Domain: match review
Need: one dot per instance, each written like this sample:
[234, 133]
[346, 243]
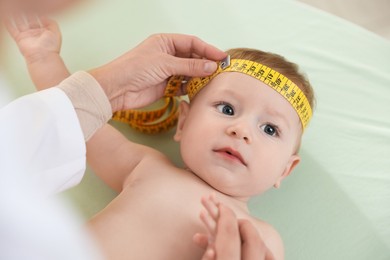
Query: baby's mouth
[231, 154]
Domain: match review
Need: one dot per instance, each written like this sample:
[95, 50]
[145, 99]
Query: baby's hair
[279, 64]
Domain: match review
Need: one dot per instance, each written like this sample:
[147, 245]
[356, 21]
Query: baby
[238, 138]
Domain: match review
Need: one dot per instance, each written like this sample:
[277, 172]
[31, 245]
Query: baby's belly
[153, 218]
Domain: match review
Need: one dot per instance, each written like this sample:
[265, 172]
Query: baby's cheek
[191, 155]
[262, 179]
[187, 157]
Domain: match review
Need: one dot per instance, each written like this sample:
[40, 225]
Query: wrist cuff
[89, 100]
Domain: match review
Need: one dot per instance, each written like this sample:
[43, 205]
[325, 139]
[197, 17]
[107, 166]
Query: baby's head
[240, 135]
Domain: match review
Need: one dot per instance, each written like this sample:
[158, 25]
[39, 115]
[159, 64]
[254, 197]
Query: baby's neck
[239, 202]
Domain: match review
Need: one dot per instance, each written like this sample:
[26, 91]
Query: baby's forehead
[248, 91]
[239, 84]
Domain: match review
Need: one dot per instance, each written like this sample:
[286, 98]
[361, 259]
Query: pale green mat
[336, 204]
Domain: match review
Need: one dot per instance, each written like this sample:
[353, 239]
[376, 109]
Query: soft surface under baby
[238, 138]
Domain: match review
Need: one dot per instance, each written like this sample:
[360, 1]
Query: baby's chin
[227, 186]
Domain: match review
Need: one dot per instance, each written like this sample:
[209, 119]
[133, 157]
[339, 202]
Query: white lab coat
[42, 152]
[40, 134]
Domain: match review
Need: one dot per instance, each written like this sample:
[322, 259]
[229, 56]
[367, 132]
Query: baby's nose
[240, 132]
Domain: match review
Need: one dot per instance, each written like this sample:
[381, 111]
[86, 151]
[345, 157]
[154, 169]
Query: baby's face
[239, 135]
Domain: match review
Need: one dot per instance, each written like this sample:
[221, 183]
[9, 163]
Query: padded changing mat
[336, 205]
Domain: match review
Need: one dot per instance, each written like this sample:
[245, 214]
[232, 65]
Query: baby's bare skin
[238, 137]
[157, 214]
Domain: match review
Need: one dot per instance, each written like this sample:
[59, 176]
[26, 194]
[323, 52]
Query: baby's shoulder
[153, 156]
[151, 160]
[154, 162]
[271, 237]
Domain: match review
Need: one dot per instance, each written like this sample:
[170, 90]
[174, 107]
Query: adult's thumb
[253, 247]
[193, 67]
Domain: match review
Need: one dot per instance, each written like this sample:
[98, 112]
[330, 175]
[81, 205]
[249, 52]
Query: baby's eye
[270, 129]
[226, 109]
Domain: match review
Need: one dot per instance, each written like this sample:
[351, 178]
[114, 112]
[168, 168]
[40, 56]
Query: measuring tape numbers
[165, 118]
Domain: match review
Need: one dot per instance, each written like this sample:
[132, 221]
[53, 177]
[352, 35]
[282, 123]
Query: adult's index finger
[189, 44]
[227, 241]
[253, 246]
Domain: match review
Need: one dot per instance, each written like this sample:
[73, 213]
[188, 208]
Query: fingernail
[210, 67]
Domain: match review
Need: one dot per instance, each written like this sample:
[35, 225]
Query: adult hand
[229, 238]
[139, 77]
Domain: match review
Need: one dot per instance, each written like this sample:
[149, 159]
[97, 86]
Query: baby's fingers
[11, 28]
[20, 22]
[33, 21]
[211, 206]
[209, 222]
[50, 24]
[47, 22]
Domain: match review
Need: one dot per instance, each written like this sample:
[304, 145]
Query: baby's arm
[113, 157]
[109, 153]
[39, 41]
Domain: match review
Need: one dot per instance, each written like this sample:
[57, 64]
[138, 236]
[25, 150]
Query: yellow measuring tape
[153, 121]
[157, 121]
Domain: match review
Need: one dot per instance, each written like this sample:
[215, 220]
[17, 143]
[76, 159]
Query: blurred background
[372, 15]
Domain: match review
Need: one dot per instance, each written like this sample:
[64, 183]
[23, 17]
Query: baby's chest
[165, 209]
[177, 190]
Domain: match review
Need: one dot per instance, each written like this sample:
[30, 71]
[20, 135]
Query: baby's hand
[229, 238]
[37, 38]
[210, 217]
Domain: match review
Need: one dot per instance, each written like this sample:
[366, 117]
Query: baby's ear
[184, 109]
[292, 163]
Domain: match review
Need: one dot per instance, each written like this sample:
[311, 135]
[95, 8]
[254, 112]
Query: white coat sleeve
[41, 138]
